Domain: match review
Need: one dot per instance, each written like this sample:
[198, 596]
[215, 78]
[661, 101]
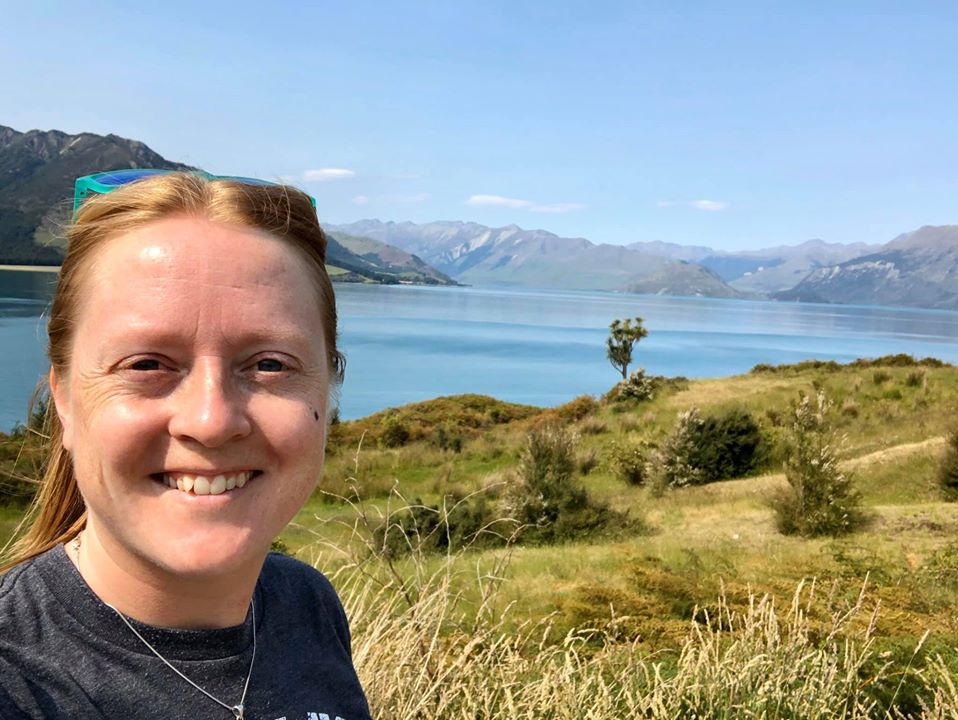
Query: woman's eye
[270, 365]
[145, 365]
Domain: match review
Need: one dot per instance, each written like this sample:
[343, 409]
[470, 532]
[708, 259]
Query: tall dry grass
[432, 641]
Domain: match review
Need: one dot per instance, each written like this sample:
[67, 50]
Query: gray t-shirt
[64, 654]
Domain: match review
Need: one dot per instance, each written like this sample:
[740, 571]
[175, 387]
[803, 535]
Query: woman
[193, 352]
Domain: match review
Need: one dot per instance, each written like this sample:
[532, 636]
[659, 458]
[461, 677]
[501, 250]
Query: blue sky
[735, 125]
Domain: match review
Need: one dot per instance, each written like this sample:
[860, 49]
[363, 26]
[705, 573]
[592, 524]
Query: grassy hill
[695, 605]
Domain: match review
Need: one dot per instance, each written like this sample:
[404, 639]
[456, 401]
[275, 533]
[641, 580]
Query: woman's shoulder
[23, 588]
[303, 591]
[294, 579]
[280, 569]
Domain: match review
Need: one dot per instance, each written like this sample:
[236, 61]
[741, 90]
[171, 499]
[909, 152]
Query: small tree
[623, 335]
[948, 469]
[820, 498]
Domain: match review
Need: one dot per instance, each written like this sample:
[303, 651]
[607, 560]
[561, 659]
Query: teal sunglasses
[103, 182]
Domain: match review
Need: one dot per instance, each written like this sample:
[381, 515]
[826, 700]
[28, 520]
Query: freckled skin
[198, 347]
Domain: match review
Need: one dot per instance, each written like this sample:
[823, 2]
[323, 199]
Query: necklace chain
[237, 709]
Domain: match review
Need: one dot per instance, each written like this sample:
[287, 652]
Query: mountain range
[37, 170]
[917, 269]
[920, 268]
[475, 254]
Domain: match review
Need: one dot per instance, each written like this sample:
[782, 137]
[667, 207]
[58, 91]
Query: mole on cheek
[315, 416]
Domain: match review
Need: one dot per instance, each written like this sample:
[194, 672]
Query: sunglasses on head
[103, 182]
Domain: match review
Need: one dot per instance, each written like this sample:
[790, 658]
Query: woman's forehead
[174, 271]
[187, 245]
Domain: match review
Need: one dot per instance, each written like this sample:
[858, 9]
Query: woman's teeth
[205, 484]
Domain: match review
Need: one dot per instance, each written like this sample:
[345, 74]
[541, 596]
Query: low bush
[915, 378]
[730, 444]
[881, 376]
[700, 449]
[675, 464]
[447, 439]
[455, 524]
[820, 498]
[947, 475]
[587, 462]
[393, 432]
[638, 386]
[628, 462]
[850, 408]
[576, 409]
[547, 501]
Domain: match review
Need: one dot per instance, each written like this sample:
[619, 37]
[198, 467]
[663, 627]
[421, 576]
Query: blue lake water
[541, 347]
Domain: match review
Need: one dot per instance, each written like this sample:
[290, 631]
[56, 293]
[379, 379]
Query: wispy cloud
[518, 204]
[360, 200]
[327, 174]
[498, 201]
[707, 205]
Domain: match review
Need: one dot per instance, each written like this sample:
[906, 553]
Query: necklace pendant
[238, 711]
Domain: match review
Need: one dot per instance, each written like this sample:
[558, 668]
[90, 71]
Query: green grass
[644, 587]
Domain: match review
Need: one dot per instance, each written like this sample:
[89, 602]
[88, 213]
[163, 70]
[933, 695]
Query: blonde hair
[57, 512]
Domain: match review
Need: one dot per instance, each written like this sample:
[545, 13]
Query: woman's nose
[208, 407]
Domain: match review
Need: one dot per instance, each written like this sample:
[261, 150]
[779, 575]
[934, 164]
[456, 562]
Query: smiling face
[198, 360]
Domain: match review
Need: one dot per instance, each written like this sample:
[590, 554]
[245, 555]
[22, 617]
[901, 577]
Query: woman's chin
[210, 557]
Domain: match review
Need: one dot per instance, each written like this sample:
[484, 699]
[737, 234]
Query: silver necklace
[237, 709]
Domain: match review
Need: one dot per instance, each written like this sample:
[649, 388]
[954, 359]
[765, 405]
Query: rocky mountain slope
[474, 253]
[37, 170]
[915, 269]
[367, 259]
[763, 271]
[687, 279]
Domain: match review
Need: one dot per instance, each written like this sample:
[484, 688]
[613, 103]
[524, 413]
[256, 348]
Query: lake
[541, 347]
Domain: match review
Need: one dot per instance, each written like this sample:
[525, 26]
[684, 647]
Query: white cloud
[517, 204]
[707, 205]
[327, 174]
[360, 200]
[498, 201]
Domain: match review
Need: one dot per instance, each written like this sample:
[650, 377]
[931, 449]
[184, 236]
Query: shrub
[639, 386]
[394, 432]
[915, 378]
[820, 498]
[628, 462]
[948, 468]
[881, 376]
[446, 439]
[587, 462]
[576, 409]
[774, 416]
[455, 524]
[701, 450]
[729, 445]
[548, 502]
[850, 408]
[675, 464]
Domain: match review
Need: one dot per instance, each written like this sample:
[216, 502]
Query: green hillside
[700, 569]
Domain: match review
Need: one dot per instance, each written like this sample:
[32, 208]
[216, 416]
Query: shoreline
[31, 268]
